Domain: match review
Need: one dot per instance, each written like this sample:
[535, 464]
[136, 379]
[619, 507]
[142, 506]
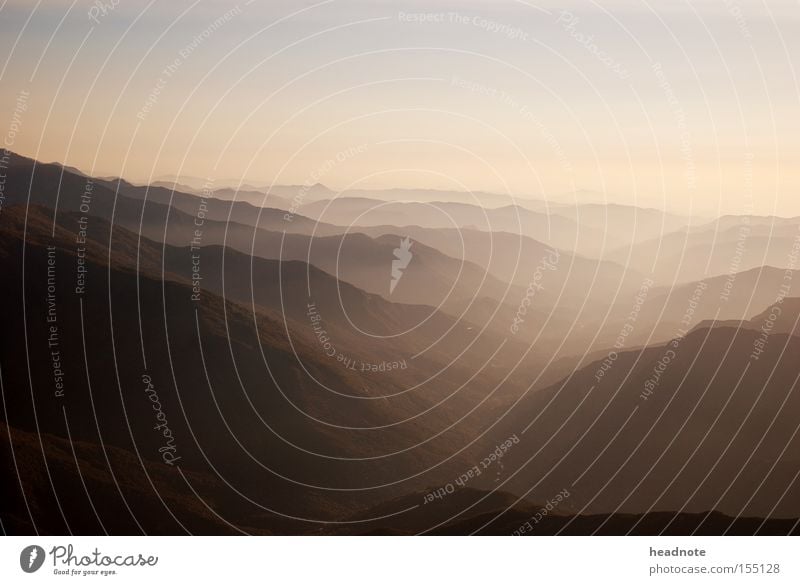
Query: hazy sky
[683, 105]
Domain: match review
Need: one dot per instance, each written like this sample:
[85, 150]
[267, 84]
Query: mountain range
[177, 360]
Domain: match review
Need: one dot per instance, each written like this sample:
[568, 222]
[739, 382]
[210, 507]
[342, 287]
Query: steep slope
[665, 311]
[356, 259]
[140, 208]
[228, 383]
[693, 426]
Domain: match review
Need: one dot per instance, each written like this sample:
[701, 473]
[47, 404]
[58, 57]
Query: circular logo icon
[31, 558]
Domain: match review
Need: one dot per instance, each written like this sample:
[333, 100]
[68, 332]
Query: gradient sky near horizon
[688, 106]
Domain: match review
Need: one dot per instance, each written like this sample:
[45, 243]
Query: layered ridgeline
[275, 404]
[173, 363]
[567, 301]
[270, 399]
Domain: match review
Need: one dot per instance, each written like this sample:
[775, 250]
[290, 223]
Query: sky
[687, 106]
